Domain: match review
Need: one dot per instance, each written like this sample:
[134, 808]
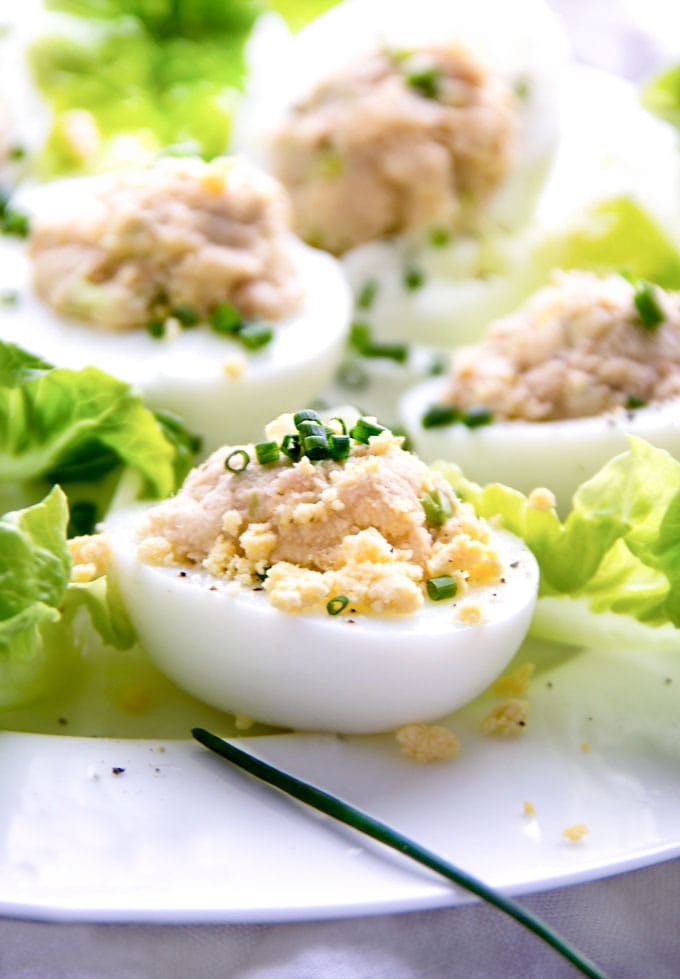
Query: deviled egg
[323, 579]
[184, 279]
[382, 117]
[552, 391]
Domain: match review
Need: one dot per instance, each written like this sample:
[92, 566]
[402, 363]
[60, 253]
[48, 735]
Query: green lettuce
[82, 429]
[615, 235]
[167, 71]
[34, 574]
[612, 567]
[38, 605]
[661, 95]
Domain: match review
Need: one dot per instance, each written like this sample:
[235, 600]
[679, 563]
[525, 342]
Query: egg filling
[176, 239]
[553, 391]
[373, 532]
[397, 140]
[582, 346]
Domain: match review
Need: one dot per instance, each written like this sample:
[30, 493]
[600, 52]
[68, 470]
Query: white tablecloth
[628, 924]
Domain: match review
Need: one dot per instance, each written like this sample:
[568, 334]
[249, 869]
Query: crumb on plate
[425, 743]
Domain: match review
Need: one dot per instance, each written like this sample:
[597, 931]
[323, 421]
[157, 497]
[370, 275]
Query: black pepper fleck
[117, 770]
[182, 574]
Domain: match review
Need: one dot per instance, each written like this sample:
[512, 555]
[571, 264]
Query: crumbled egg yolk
[90, 557]
[315, 510]
[507, 719]
[426, 743]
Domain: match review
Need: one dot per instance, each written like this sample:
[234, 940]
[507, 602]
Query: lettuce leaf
[617, 553]
[615, 235]
[38, 605]
[81, 429]
[661, 95]
[34, 574]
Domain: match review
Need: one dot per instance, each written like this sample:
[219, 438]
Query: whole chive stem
[361, 821]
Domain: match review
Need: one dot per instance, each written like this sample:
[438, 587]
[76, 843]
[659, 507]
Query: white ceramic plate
[180, 836]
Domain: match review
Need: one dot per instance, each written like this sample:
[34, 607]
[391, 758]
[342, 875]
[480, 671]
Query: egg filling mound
[582, 346]
[179, 238]
[554, 390]
[377, 527]
[398, 140]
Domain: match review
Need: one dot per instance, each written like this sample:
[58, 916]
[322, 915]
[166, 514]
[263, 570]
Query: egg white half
[522, 43]
[610, 147]
[557, 454]
[187, 372]
[345, 673]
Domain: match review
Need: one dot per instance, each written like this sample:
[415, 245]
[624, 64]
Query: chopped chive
[351, 375]
[156, 328]
[266, 452]
[339, 446]
[438, 365]
[309, 427]
[359, 336]
[256, 335]
[426, 81]
[633, 402]
[316, 446]
[290, 446]
[476, 417]
[440, 237]
[522, 89]
[437, 507]
[9, 297]
[390, 351]
[360, 340]
[225, 318]
[306, 415]
[364, 429]
[401, 433]
[650, 313]
[413, 279]
[440, 414]
[15, 223]
[185, 315]
[341, 424]
[367, 294]
[237, 461]
[441, 587]
[336, 605]
[376, 830]
[17, 153]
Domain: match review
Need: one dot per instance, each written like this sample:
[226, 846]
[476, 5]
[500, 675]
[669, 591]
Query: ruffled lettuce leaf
[616, 556]
[616, 235]
[38, 605]
[81, 429]
[661, 95]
